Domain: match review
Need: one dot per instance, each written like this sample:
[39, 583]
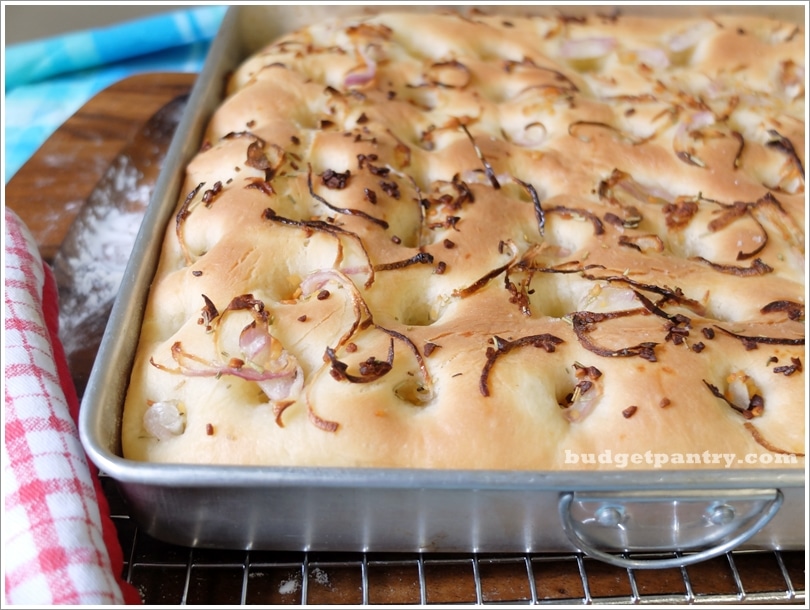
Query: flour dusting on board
[94, 257]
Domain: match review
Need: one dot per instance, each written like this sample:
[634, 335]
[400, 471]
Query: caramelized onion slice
[685, 131]
[584, 322]
[451, 74]
[264, 361]
[752, 342]
[316, 280]
[545, 341]
[487, 167]
[335, 231]
[755, 406]
[760, 439]
[180, 221]
[757, 267]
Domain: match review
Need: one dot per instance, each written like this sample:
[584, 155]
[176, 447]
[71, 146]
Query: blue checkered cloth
[48, 80]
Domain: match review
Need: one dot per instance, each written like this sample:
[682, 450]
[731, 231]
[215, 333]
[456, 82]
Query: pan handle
[611, 515]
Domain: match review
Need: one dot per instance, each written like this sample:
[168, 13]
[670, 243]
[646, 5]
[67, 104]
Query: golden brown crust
[481, 242]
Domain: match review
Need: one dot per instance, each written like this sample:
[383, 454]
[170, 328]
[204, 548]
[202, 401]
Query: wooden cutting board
[49, 190]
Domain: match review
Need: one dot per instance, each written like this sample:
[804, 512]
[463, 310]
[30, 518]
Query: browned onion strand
[180, 220]
[576, 125]
[415, 350]
[741, 256]
[740, 147]
[370, 370]
[208, 314]
[638, 242]
[757, 267]
[584, 322]
[487, 167]
[420, 258]
[755, 407]
[669, 294]
[243, 134]
[362, 313]
[795, 311]
[761, 440]
[752, 342]
[544, 341]
[768, 209]
[677, 319]
[606, 190]
[485, 279]
[539, 214]
[598, 227]
[402, 150]
[733, 212]
[278, 411]
[510, 66]
[437, 70]
[325, 227]
[730, 213]
[324, 424]
[784, 145]
[423, 205]
[690, 158]
[562, 268]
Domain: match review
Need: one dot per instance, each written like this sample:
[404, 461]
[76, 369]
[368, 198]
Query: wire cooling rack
[167, 574]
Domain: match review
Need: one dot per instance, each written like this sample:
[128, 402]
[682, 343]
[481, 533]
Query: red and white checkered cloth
[59, 544]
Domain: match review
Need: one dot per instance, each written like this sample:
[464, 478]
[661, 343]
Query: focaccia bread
[470, 241]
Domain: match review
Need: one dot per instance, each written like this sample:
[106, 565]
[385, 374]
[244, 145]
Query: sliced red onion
[653, 57]
[643, 193]
[680, 141]
[587, 48]
[532, 135]
[367, 74]
[583, 404]
[164, 420]
[793, 79]
[259, 345]
[686, 40]
[318, 279]
[769, 212]
[643, 242]
[607, 298]
[285, 386]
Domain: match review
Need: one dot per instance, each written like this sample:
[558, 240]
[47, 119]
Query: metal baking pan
[689, 515]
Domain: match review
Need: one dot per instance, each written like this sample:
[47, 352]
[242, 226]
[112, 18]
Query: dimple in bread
[479, 242]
